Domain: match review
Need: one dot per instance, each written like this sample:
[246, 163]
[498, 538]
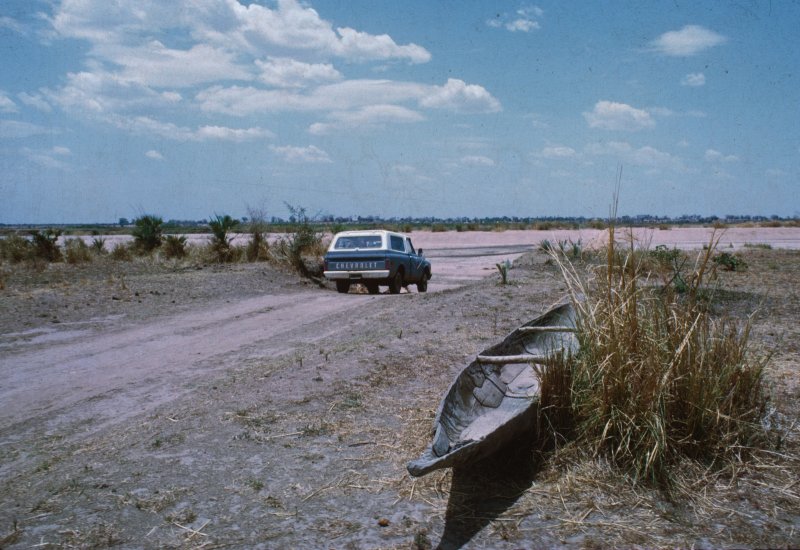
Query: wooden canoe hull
[491, 400]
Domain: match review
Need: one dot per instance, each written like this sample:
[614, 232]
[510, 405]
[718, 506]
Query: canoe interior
[488, 403]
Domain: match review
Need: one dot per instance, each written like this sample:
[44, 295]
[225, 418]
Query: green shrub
[77, 251]
[174, 246]
[45, 245]
[730, 262]
[656, 379]
[147, 233]
[598, 224]
[545, 245]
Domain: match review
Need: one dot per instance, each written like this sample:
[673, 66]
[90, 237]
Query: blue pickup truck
[375, 258]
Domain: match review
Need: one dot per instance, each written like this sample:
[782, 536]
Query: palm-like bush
[147, 233]
[220, 242]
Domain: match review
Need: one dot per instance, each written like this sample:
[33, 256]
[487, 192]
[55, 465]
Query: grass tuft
[77, 251]
[657, 378]
[174, 246]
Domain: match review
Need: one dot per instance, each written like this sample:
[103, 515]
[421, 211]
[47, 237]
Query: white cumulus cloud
[6, 104]
[457, 95]
[610, 115]
[366, 117]
[557, 151]
[15, 129]
[523, 20]
[284, 72]
[693, 79]
[476, 160]
[149, 125]
[646, 156]
[301, 155]
[34, 100]
[690, 40]
[153, 154]
[712, 155]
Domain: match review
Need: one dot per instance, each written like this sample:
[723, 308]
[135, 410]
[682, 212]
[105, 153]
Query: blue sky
[189, 108]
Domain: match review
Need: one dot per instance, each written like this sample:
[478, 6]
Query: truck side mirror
[419, 252]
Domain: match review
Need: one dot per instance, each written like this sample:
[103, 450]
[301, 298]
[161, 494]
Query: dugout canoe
[495, 397]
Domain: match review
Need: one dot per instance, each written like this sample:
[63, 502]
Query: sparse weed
[352, 400]
[764, 246]
[503, 268]
[669, 265]
[98, 245]
[255, 484]
[314, 430]
[545, 246]
[121, 253]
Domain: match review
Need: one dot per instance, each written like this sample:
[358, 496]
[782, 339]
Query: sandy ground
[203, 406]
[685, 238]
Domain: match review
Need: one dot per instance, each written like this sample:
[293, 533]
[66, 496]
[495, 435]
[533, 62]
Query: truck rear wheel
[396, 283]
[422, 285]
[342, 286]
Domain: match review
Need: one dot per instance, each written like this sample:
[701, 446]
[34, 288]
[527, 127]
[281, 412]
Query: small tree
[147, 233]
[304, 240]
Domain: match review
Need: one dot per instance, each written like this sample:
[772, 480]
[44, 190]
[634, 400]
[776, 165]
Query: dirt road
[138, 367]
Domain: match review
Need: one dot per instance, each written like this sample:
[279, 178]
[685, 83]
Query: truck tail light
[326, 265]
[387, 264]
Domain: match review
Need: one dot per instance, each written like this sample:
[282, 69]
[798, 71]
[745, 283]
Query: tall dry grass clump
[257, 249]
[76, 251]
[657, 379]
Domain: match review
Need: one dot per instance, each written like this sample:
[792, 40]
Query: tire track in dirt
[152, 360]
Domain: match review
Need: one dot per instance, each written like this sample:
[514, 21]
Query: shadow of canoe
[480, 492]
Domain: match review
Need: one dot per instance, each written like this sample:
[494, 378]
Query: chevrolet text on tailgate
[375, 258]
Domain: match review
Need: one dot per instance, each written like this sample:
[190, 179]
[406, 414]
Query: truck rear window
[362, 241]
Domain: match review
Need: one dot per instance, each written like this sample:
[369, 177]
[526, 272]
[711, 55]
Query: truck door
[415, 261]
